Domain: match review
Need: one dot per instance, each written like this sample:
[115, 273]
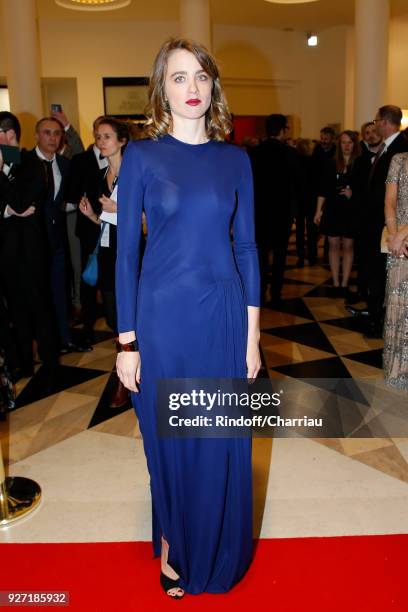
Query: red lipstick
[193, 101]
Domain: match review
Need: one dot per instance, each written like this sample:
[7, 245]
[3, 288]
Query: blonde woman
[194, 312]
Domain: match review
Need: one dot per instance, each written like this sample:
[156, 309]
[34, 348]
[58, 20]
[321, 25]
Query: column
[195, 21]
[349, 80]
[21, 45]
[371, 59]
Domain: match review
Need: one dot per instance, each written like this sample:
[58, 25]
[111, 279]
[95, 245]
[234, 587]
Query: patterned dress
[395, 356]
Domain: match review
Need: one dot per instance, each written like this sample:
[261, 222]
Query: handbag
[384, 241]
[90, 274]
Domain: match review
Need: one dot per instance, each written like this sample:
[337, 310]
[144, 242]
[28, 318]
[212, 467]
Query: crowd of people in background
[58, 207]
[339, 188]
[52, 205]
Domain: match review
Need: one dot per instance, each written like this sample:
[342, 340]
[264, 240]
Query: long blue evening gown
[189, 311]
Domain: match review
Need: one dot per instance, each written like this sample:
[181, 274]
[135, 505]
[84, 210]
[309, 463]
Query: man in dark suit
[86, 178]
[56, 170]
[369, 147]
[274, 169]
[322, 156]
[325, 149]
[24, 270]
[388, 124]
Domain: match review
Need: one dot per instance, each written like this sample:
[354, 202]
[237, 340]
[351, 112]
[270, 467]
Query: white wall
[266, 70]
[315, 76]
[72, 49]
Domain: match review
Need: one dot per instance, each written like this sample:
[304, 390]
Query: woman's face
[107, 141]
[187, 86]
[346, 144]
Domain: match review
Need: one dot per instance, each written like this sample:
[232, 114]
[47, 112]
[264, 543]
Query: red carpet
[351, 574]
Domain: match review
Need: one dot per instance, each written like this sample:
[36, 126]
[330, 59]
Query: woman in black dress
[336, 209]
[111, 139]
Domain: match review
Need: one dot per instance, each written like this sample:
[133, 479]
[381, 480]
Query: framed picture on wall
[125, 97]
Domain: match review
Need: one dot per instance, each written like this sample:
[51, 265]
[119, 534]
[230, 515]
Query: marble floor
[90, 463]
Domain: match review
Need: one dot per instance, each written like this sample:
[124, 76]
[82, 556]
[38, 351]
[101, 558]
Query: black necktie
[101, 156]
[50, 183]
[375, 160]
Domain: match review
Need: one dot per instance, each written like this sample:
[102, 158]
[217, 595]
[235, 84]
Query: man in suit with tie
[56, 170]
[24, 270]
[388, 125]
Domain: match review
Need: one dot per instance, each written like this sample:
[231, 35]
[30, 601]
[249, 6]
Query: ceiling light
[312, 40]
[93, 5]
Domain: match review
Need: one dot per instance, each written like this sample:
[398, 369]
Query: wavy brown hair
[340, 161]
[159, 122]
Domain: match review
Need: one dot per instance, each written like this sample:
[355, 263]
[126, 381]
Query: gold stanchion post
[18, 496]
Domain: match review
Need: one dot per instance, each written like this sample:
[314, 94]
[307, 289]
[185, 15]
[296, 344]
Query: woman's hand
[317, 217]
[395, 244]
[253, 359]
[108, 205]
[86, 208]
[347, 191]
[128, 369]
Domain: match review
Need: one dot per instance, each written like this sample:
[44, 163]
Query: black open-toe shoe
[168, 583]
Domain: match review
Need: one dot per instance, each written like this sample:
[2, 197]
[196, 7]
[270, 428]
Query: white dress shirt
[388, 141]
[6, 170]
[102, 163]
[55, 170]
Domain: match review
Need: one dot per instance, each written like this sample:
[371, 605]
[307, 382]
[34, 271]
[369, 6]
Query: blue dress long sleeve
[188, 308]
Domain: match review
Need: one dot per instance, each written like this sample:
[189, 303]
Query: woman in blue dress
[192, 311]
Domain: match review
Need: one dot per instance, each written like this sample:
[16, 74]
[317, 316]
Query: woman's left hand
[347, 192]
[317, 218]
[395, 244]
[108, 205]
[253, 359]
